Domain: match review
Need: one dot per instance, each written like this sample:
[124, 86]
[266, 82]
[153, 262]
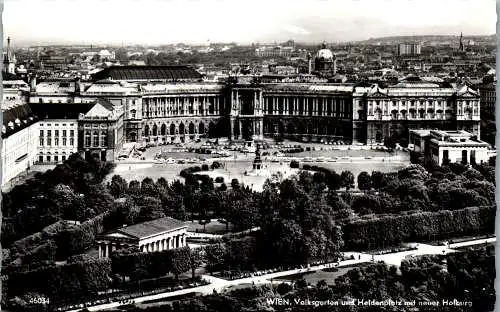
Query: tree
[378, 180]
[118, 186]
[347, 180]
[196, 258]
[390, 142]
[364, 181]
[235, 184]
[181, 261]
[215, 255]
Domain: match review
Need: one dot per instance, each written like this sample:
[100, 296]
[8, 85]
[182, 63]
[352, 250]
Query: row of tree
[71, 191]
[465, 276]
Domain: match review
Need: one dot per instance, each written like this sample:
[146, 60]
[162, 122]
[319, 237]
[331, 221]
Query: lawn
[214, 227]
[314, 277]
[236, 169]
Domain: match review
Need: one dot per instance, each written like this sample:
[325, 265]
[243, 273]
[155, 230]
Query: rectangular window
[40, 158]
[71, 142]
[71, 133]
[56, 141]
[63, 158]
[446, 154]
[41, 133]
[49, 133]
[56, 158]
[48, 158]
[49, 141]
[56, 133]
[64, 133]
[64, 141]
[41, 141]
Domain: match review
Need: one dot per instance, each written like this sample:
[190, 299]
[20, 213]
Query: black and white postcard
[217, 155]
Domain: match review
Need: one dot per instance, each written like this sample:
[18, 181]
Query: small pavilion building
[157, 235]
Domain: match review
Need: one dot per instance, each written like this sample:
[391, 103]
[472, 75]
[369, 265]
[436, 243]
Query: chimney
[33, 83]
[78, 85]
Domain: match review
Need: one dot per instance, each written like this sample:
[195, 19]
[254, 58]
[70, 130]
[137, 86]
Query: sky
[244, 21]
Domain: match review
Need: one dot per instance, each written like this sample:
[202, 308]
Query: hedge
[77, 239]
[82, 280]
[422, 226]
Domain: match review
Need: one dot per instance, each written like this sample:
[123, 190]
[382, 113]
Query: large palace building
[171, 104]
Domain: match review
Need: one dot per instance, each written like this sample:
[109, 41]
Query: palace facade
[174, 106]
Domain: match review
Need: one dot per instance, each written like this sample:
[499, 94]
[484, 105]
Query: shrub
[294, 164]
[219, 180]
[216, 165]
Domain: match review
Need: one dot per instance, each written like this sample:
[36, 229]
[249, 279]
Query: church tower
[9, 60]
[461, 47]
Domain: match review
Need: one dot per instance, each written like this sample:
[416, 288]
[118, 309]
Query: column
[99, 255]
[239, 134]
[167, 242]
[108, 251]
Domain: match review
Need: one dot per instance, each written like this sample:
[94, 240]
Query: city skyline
[196, 22]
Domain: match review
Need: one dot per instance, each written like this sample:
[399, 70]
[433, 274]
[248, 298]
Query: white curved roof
[325, 54]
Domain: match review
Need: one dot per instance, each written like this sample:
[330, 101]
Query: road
[220, 285]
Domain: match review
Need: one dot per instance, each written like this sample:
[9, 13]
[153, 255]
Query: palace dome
[325, 54]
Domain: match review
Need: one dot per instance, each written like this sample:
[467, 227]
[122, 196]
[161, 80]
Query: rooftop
[16, 118]
[134, 73]
[151, 228]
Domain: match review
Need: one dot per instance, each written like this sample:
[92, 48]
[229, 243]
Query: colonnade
[164, 242]
[320, 106]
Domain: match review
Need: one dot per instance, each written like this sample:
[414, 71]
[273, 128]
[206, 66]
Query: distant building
[157, 235]
[325, 63]
[450, 146]
[277, 51]
[52, 62]
[409, 49]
